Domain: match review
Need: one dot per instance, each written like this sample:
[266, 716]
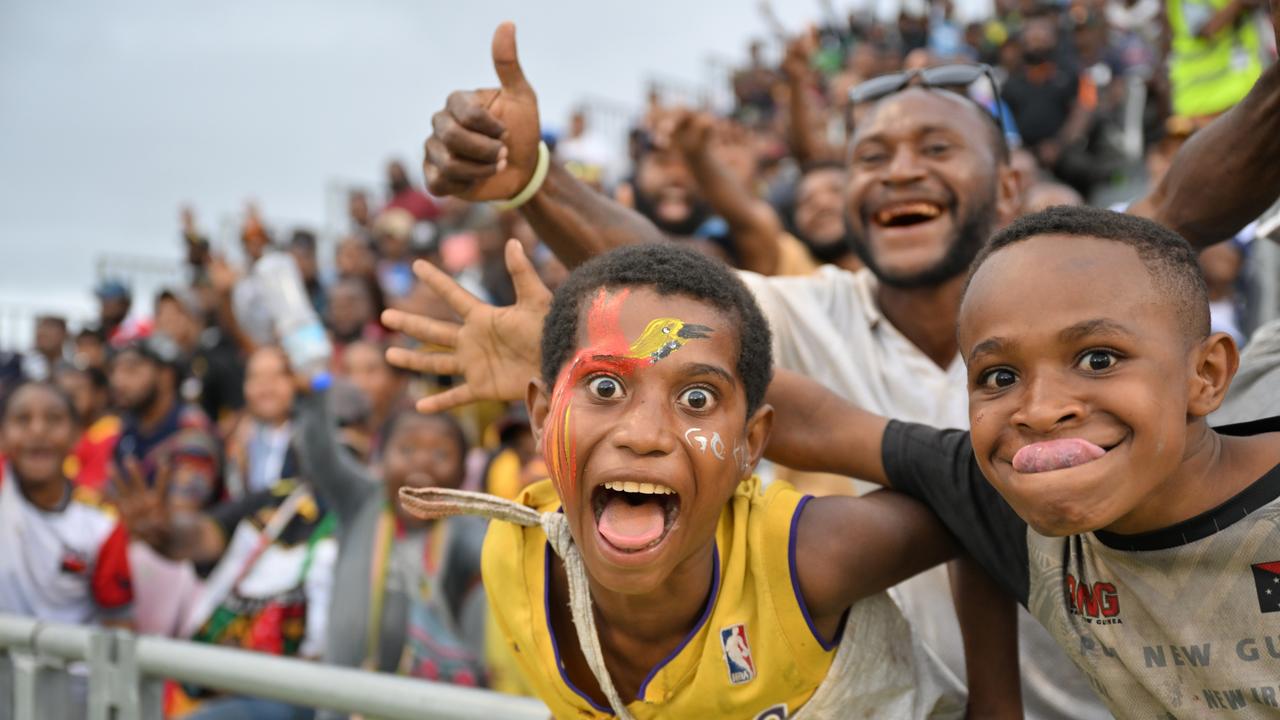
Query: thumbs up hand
[484, 143]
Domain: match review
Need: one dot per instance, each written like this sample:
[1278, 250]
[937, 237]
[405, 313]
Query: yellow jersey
[754, 653]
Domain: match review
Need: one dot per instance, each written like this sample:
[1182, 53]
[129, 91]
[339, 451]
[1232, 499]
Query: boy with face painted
[694, 592]
[1091, 485]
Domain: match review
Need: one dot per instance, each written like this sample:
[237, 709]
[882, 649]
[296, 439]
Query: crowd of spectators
[258, 510]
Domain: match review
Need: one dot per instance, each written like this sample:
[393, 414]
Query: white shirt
[51, 562]
[828, 327]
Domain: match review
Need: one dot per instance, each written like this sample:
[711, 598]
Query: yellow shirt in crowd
[753, 653]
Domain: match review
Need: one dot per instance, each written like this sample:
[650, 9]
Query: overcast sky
[112, 114]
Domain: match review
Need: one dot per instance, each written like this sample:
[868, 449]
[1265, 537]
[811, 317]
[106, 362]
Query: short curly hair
[1168, 257]
[668, 269]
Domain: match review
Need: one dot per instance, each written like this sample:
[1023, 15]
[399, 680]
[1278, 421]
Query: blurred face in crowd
[254, 244]
[926, 185]
[354, 258]
[1221, 265]
[113, 310]
[364, 365]
[1039, 39]
[305, 257]
[350, 309]
[819, 214]
[397, 178]
[173, 319]
[136, 382]
[88, 399]
[90, 350]
[393, 245]
[422, 451]
[667, 194]
[51, 337]
[358, 208]
[268, 386]
[37, 433]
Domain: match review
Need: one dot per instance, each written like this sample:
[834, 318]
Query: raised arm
[816, 430]
[340, 482]
[1228, 173]
[484, 146]
[754, 223]
[807, 145]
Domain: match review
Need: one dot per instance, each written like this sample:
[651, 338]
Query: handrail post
[114, 680]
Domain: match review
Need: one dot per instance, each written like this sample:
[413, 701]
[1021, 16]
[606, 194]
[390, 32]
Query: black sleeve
[937, 468]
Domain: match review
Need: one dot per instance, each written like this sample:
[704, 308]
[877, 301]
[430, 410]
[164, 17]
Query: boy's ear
[1214, 363]
[538, 404]
[759, 427]
[1008, 193]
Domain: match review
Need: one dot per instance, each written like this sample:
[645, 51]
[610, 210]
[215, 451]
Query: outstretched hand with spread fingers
[496, 350]
[143, 510]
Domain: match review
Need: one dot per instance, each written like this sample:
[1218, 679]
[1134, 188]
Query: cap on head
[112, 289]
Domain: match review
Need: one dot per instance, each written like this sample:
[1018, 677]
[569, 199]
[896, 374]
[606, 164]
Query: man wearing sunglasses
[928, 180]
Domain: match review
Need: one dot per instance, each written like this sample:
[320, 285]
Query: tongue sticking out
[1055, 455]
[631, 527]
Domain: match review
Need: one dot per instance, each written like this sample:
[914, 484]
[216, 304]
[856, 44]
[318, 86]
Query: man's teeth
[643, 488]
[925, 209]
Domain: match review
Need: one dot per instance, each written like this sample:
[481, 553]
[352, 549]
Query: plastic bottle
[297, 326]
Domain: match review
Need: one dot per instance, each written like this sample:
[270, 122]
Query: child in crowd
[713, 596]
[1091, 485]
[408, 597]
[62, 558]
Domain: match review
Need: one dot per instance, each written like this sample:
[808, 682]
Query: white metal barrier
[125, 674]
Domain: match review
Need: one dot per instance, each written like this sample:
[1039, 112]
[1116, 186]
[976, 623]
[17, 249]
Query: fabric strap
[441, 502]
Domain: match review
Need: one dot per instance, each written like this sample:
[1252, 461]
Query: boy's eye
[697, 399]
[1097, 360]
[605, 387]
[997, 379]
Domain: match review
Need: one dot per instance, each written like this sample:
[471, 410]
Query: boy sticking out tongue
[1091, 485]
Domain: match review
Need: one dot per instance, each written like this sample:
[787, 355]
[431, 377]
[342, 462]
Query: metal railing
[126, 672]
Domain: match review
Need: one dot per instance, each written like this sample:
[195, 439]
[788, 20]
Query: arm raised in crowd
[807, 145]
[754, 223]
[484, 146]
[339, 480]
[1228, 173]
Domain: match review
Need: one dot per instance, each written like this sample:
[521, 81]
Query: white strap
[431, 503]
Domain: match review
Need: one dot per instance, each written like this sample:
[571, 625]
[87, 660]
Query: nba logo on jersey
[737, 654]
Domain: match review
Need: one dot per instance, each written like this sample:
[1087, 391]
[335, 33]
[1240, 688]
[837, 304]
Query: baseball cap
[112, 289]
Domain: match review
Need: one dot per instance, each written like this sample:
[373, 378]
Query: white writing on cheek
[701, 442]
[740, 458]
[717, 446]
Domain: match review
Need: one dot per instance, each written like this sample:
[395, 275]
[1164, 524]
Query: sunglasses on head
[956, 78]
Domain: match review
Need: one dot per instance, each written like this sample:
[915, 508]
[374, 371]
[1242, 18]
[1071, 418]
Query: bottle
[297, 326]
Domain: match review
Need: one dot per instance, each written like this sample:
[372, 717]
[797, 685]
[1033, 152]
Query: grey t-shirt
[1175, 623]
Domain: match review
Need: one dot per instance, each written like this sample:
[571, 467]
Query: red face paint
[604, 352]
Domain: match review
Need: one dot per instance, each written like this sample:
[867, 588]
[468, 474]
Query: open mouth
[907, 213]
[1058, 454]
[634, 516]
